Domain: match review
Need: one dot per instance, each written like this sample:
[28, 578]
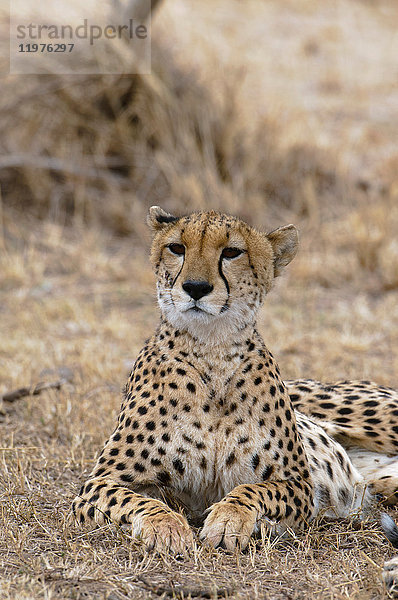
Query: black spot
[267, 473]
[326, 405]
[344, 495]
[139, 467]
[231, 459]
[312, 443]
[329, 470]
[163, 478]
[179, 467]
[371, 403]
[369, 412]
[255, 461]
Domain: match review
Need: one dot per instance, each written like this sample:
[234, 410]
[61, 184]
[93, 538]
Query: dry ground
[283, 113]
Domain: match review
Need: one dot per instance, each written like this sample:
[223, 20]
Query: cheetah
[208, 433]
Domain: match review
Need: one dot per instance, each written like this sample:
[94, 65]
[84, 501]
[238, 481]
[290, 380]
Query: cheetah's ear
[157, 218]
[284, 242]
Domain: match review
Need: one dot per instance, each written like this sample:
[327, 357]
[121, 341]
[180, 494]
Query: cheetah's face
[213, 270]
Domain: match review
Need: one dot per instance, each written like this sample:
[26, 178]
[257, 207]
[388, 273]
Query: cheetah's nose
[197, 289]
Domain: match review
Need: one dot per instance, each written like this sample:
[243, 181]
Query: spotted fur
[208, 433]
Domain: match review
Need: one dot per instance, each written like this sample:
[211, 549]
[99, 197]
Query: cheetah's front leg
[232, 521]
[102, 500]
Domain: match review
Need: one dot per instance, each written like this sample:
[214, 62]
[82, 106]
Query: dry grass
[281, 113]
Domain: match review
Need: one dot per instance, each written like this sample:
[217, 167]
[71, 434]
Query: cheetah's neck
[220, 357]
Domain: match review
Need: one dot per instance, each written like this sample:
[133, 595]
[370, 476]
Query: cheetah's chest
[208, 458]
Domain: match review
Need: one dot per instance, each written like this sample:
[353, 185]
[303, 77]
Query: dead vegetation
[280, 114]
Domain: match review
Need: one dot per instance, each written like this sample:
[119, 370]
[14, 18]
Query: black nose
[197, 289]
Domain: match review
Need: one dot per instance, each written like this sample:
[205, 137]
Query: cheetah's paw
[229, 526]
[164, 532]
[390, 576]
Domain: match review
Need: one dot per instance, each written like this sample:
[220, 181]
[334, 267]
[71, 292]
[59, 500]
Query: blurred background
[274, 111]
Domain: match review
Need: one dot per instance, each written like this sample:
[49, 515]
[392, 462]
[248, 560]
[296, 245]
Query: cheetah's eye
[178, 249]
[231, 252]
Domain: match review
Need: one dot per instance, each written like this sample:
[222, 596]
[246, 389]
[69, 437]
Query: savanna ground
[278, 112]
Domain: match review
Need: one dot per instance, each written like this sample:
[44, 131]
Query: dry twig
[34, 390]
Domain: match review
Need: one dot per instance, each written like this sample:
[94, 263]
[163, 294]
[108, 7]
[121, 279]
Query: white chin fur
[205, 327]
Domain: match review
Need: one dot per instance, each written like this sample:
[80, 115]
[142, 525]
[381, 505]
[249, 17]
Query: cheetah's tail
[390, 529]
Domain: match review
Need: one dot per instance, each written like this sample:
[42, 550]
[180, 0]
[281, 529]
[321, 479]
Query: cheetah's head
[213, 271]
